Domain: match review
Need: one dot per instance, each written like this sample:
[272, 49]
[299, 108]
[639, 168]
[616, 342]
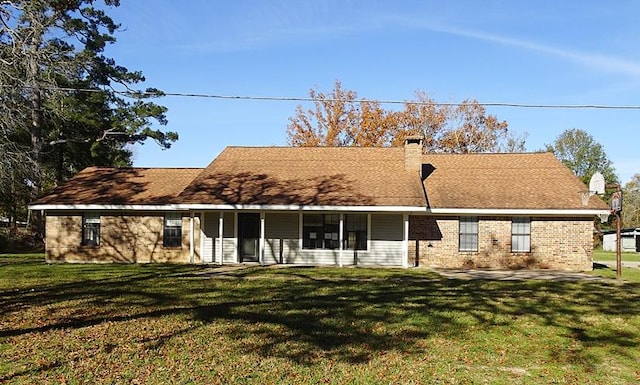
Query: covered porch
[316, 237]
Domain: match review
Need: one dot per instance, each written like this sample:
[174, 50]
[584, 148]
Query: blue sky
[539, 52]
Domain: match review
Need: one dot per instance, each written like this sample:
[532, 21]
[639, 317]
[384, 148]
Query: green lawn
[599, 255]
[155, 324]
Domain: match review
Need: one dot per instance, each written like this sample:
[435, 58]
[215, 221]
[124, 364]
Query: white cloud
[593, 60]
[302, 22]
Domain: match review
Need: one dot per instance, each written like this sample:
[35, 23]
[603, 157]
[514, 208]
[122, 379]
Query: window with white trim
[172, 234]
[320, 231]
[521, 235]
[355, 231]
[91, 229]
[468, 234]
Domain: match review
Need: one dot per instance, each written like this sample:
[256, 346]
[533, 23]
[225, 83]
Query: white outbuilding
[630, 240]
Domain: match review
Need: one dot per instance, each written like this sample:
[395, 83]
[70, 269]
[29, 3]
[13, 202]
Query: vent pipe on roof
[413, 153]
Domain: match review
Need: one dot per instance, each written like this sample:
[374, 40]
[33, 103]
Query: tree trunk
[33, 85]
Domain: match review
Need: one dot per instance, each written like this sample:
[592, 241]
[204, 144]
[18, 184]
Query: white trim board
[403, 209]
[200, 207]
[523, 212]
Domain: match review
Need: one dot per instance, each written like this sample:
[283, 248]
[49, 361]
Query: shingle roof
[338, 176]
[507, 181]
[106, 185]
[335, 176]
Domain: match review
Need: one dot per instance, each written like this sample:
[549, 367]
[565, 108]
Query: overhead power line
[130, 93]
[388, 101]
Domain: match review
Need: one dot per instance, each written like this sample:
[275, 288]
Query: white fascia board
[88, 207]
[510, 212]
[196, 206]
[403, 209]
[387, 209]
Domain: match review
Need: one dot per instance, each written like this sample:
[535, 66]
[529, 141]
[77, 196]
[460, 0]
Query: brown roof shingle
[333, 176]
[107, 185]
[338, 176]
[507, 181]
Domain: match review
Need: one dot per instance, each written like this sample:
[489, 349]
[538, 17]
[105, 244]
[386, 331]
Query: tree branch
[105, 134]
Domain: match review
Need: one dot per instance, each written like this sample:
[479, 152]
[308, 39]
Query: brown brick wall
[556, 243]
[574, 249]
[123, 238]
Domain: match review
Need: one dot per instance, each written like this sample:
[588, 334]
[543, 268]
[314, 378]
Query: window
[91, 229]
[355, 231]
[468, 234]
[172, 236]
[521, 235]
[320, 231]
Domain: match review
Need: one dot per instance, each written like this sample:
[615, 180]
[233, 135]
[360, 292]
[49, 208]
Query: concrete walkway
[612, 264]
[222, 270]
[516, 275]
[467, 274]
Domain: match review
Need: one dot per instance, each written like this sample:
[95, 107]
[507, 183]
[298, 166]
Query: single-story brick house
[329, 206]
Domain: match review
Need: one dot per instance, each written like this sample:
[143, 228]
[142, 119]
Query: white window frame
[91, 232]
[172, 221]
[464, 226]
[521, 235]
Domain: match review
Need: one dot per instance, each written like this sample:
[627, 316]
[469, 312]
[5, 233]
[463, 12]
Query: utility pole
[616, 208]
[618, 246]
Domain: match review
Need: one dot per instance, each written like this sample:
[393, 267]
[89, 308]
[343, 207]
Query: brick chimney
[413, 153]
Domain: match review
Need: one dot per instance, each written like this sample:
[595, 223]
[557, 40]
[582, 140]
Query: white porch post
[192, 238]
[220, 235]
[300, 230]
[235, 236]
[341, 229]
[405, 241]
[261, 242]
[201, 229]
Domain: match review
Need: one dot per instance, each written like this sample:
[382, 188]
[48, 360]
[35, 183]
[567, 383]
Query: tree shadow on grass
[305, 318]
[598, 266]
[95, 285]
[31, 371]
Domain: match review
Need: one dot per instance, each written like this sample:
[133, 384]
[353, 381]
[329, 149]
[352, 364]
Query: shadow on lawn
[305, 318]
[357, 319]
[598, 266]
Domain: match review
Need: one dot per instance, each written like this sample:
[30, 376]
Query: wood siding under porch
[282, 241]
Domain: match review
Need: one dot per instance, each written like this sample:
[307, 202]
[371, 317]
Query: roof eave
[518, 211]
[204, 207]
[403, 209]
